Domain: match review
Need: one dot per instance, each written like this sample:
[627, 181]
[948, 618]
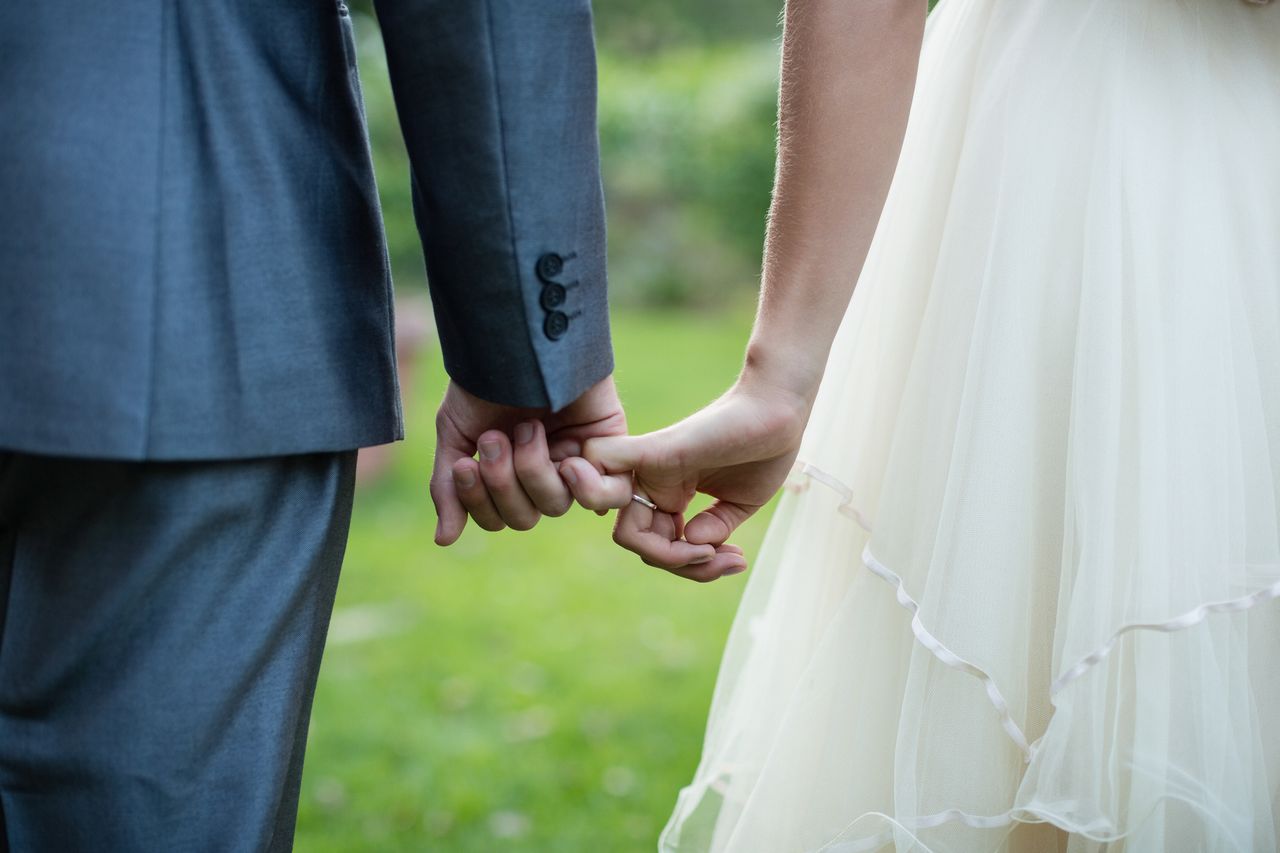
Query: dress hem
[945, 655]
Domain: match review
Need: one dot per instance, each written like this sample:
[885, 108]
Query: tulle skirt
[1022, 592]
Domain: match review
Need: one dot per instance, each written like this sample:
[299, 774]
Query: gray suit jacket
[192, 261]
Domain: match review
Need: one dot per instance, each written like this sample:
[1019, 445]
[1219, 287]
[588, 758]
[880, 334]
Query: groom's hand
[514, 482]
[739, 450]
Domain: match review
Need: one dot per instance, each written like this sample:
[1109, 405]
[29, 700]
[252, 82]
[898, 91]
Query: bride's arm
[848, 72]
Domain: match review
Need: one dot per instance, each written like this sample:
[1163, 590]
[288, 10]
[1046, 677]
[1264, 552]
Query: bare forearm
[848, 72]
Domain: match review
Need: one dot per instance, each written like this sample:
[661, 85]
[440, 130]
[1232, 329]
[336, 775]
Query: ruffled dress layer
[1022, 593]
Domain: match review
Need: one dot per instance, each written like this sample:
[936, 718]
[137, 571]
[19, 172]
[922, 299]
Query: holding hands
[738, 450]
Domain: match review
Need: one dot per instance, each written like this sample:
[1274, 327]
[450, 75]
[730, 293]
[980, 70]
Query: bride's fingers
[595, 490]
[655, 538]
[726, 562]
[717, 522]
[615, 452]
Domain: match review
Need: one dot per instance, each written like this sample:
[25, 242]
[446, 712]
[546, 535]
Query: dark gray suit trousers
[161, 626]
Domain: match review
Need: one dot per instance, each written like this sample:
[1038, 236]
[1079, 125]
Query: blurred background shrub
[687, 144]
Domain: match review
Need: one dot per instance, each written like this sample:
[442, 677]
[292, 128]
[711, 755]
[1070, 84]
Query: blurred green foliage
[539, 691]
[687, 145]
[649, 26]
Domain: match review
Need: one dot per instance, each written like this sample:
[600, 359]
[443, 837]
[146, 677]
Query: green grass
[539, 691]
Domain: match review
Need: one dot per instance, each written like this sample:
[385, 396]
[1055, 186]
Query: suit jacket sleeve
[497, 103]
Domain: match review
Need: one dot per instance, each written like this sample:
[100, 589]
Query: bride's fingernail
[736, 570]
[701, 560]
[524, 432]
[569, 474]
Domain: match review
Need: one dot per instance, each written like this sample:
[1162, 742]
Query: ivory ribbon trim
[846, 507]
[1187, 620]
[945, 655]
[1100, 830]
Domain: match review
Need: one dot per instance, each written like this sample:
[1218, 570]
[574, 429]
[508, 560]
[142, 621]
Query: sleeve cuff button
[556, 324]
[553, 296]
[549, 266]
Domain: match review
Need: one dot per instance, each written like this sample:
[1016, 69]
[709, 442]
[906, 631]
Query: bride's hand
[848, 71]
[738, 450]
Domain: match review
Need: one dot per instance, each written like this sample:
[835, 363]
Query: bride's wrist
[789, 375]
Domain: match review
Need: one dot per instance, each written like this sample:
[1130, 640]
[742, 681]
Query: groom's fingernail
[569, 474]
[701, 560]
[466, 478]
[524, 432]
[489, 450]
[736, 570]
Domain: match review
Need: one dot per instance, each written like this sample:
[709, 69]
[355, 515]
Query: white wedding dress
[1022, 592]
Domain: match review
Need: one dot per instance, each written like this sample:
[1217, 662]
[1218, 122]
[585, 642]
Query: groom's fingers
[595, 490]
[497, 469]
[537, 473]
[474, 496]
[450, 514]
[717, 522]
